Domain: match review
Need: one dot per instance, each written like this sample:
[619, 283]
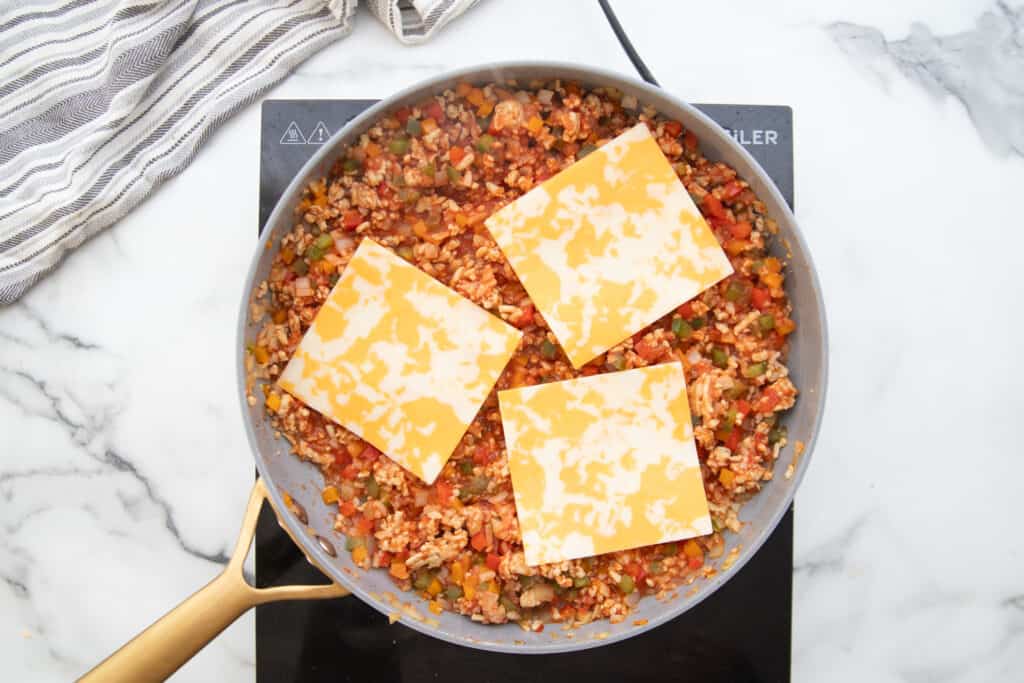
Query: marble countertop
[123, 466]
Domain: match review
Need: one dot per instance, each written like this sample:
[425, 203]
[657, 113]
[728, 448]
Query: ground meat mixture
[421, 182]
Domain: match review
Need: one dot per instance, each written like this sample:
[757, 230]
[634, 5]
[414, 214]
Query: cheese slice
[603, 463]
[399, 359]
[609, 245]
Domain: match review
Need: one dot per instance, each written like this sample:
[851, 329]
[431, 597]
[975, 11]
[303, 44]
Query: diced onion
[343, 243]
[544, 96]
[693, 356]
[303, 287]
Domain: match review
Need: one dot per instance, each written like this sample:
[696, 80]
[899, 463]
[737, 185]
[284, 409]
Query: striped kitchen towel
[103, 100]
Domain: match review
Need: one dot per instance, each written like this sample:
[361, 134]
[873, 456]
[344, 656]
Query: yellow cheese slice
[399, 359]
[603, 463]
[609, 245]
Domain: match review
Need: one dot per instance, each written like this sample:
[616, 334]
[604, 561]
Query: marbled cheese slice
[399, 359]
[609, 245]
[603, 463]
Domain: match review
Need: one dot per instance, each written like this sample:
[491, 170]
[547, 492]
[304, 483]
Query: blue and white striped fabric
[101, 101]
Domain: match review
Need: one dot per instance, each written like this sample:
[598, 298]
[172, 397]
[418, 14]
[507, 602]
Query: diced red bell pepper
[479, 541]
[493, 561]
[363, 527]
[760, 297]
[350, 471]
[482, 455]
[435, 111]
[369, 453]
[673, 128]
[525, 318]
[403, 115]
[637, 571]
[690, 141]
[731, 190]
[713, 207]
[743, 406]
[444, 491]
[347, 508]
[351, 219]
[686, 310]
[767, 402]
[649, 352]
[695, 562]
[732, 441]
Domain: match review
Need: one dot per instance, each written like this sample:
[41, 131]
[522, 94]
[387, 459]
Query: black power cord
[631, 52]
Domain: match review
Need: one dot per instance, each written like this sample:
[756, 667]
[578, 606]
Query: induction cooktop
[742, 633]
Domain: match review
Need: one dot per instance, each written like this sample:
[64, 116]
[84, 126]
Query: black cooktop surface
[741, 633]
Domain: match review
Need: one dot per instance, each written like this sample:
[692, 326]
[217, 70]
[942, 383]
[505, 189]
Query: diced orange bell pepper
[273, 402]
[475, 97]
[727, 477]
[735, 247]
[479, 541]
[359, 554]
[329, 495]
[399, 570]
[692, 549]
[469, 585]
[785, 326]
[347, 508]
[458, 572]
[773, 280]
[261, 354]
[434, 588]
[534, 124]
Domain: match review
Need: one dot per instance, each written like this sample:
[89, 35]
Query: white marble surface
[123, 469]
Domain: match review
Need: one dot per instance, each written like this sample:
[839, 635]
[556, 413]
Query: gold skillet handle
[176, 637]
